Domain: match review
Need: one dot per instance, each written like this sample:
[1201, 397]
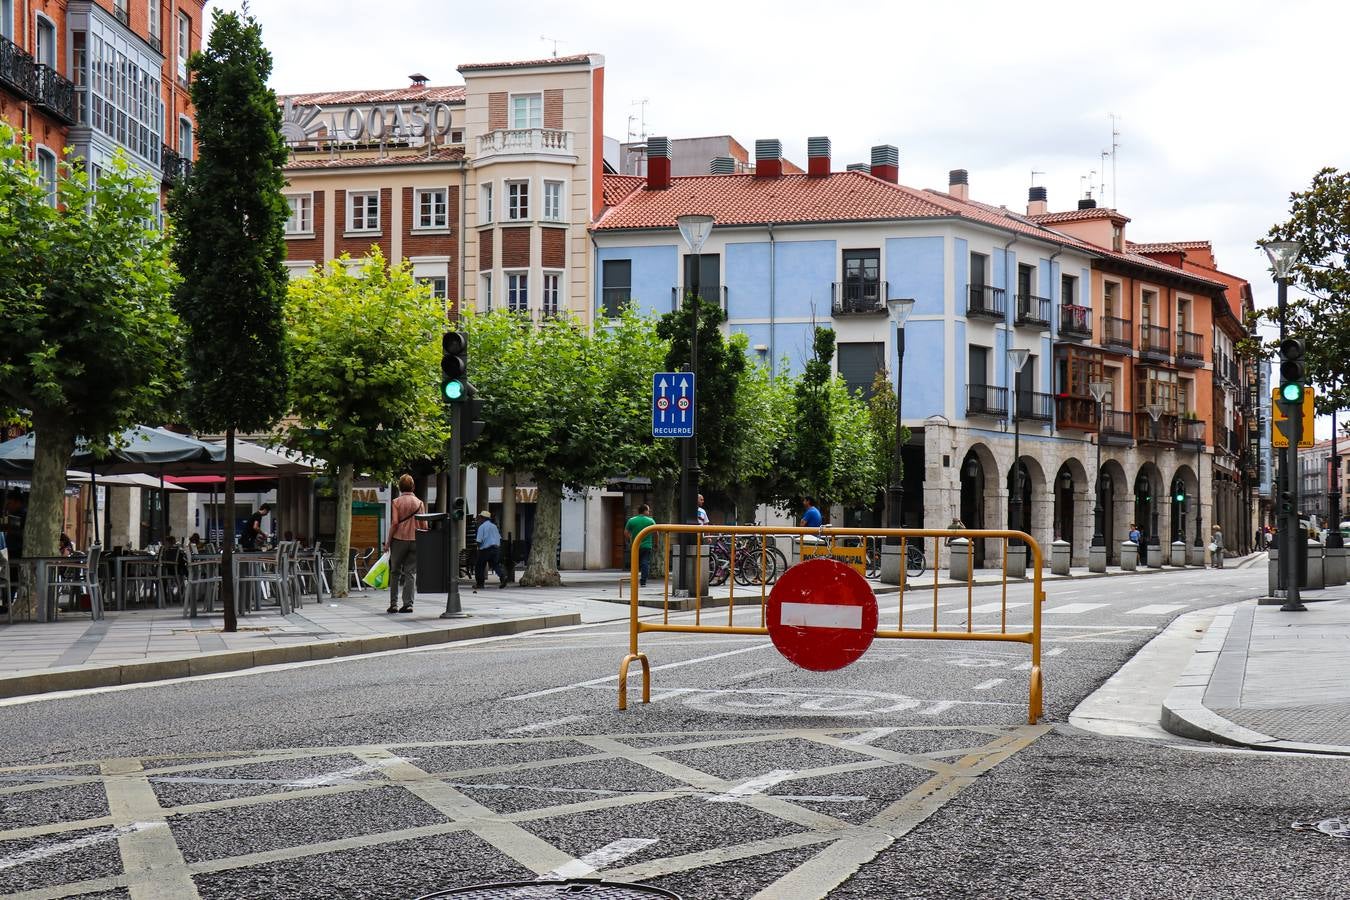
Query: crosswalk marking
[1070, 609]
[1156, 609]
[994, 607]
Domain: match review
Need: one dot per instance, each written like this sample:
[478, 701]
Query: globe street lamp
[899, 309]
[1154, 411]
[1100, 390]
[694, 229]
[1016, 360]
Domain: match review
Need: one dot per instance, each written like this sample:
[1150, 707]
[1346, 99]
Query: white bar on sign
[821, 615]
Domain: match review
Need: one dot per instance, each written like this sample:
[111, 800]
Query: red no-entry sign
[822, 615]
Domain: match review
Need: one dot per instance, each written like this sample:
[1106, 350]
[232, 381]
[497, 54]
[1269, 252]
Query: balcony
[1190, 349]
[1117, 333]
[1033, 311]
[1155, 344]
[123, 14]
[1035, 406]
[1075, 322]
[1117, 428]
[55, 93]
[173, 167]
[541, 143]
[1161, 434]
[1077, 413]
[986, 400]
[859, 297]
[710, 293]
[987, 302]
[614, 300]
[18, 72]
[1190, 433]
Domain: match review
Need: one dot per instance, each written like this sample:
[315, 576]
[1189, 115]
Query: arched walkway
[1072, 509]
[1148, 499]
[1185, 505]
[1114, 488]
[979, 504]
[1033, 513]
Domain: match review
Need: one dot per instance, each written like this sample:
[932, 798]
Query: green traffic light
[1180, 498]
[1292, 393]
[454, 390]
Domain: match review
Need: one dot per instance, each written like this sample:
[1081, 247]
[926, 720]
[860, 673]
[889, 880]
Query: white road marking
[349, 773]
[1071, 609]
[1053, 651]
[599, 859]
[634, 670]
[828, 798]
[993, 607]
[755, 785]
[550, 723]
[89, 840]
[821, 615]
[868, 737]
[1156, 609]
[989, 685]
[938, 708]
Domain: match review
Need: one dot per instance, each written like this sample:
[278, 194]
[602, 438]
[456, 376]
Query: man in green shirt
[634, 527]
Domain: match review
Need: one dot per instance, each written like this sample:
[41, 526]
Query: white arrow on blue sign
[673, 404]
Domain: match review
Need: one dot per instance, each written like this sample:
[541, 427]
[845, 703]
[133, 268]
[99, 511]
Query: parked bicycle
[755, 564]
[915, 560]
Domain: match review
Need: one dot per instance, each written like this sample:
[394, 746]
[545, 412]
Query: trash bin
[431, 552]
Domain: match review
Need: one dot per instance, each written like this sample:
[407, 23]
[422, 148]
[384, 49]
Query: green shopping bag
[378, 576]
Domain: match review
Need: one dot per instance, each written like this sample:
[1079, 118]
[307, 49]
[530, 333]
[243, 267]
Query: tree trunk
[343, 542]
[55, 443]
[663, 510]
[542, 568]
[227, 540]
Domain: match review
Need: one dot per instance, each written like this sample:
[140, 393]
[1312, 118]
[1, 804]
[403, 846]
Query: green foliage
[856, 472]
[761, 421]
[229, 222]
[882, 408]
[364, 347]
[810, 454]
[1319, 218]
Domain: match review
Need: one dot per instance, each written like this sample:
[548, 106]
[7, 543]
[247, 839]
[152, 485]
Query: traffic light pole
[452, 607]
[1291, 552]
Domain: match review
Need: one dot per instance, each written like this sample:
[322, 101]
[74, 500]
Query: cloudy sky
[1223, 108]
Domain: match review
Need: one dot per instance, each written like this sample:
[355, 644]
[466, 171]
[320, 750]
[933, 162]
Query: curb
[76, 678]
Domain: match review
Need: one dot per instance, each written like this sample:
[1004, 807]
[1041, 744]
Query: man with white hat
[489, 551]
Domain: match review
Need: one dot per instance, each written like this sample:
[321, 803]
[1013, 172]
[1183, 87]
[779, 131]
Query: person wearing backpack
[402, 545]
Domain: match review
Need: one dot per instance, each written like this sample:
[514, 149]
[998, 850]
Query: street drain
[1336, 827]
[589, 888]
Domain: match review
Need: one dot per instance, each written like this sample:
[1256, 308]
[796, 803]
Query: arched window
[46, 41]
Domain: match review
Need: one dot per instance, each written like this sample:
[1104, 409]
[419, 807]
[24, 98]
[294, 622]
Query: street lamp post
[1282, 256]
[899, 309]
[1199, 537]
[694, 229]
[1016, 359]
[1154, 411]
[1100, 390]
[1334, 538]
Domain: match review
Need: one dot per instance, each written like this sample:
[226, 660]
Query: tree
[761, 432]
[858, 467]
[364, 346]
[566, 405]
[882, 408]
[1319, 218]
[811, 452]
[230, 247]
[88, 338]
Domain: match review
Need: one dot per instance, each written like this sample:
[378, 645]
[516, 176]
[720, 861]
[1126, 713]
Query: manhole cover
[588, 888]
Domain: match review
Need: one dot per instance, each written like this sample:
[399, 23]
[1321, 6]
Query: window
[1183, 315]
[709, 276]
[46, 42]
[1110, 291]
[979, 267]
[46, 165]
[1025, 279]
[517, 200]
[301, 220]
[1068, 290]
[363, 211]
[862, 286]
[1026, 385]
[859, 364]
[185, 138]
[485, 204]
[553, 193]
[7, 19]
[485, 291]
[1118, 238]
[1146, 308]
[184, 42]
[152, 22]
[517, 291]
[435, 284]
[431, 208]
[121, 12]
[616, 291]
[977, 368]
[117, 92]
[552, 280]
[527, 111]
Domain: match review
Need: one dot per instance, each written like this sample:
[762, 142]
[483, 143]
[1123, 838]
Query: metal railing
[1036, 406]
[55, 93]
[1191, 431]
[860, 296]
[1117, 332]
[1155, 341]
[1075, 321]
[18, 70]
[173, 166]
[1190, 348]
[986, 400]
[915, 616]
[988, 302]
[1117, 423]
[1033, 310]
[1163, 432]
[710, 293]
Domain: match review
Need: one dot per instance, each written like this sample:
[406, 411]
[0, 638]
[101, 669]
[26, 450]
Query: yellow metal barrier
[830, 546]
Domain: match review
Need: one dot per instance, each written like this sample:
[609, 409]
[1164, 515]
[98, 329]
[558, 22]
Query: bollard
[890, 563]
[1097, 558]
[1015, 565]
[1333, 566]
[959, 569]
[1273, 570]
[1153, 556]
[1179, 553]
[1129, 556]
[1316, 579]
[703, 562]
[1059, 558]
[1197, 556]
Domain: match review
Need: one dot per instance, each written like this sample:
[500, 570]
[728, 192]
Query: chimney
[1087, 203]
[768, 158]
[859, 167]
[658, 163]
[818, 156]
[418, 80]
[722, 165]
[958, 184]
[1036, 202]
[886, 163]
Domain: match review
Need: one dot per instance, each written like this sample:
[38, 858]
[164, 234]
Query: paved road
[912, 773]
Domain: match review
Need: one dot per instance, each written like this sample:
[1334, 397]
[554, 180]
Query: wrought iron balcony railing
[1036, 406]
[1191, 432]
[1117, 332]
[1117, 423]
[712, 293]
[1075, 321]
[1034, 311]
[1164, 431]
[859, 296]
[18, 71]
[55, 93]
[1155, 342]
[986, 302]
[1190, 348]
[986, 400]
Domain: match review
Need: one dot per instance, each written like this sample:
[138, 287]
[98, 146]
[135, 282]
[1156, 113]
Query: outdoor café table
[119, 574]
[36, 574]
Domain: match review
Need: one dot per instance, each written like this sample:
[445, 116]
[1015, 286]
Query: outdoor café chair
[144, 574]
[202, 580]
[75, 576]
[263, 573]
[360, 566]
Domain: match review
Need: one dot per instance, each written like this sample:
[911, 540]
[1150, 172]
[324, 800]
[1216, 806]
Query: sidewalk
[153, 644]
[1268, 679]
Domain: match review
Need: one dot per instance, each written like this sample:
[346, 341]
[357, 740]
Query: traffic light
[1286, 503]
[454, 366]
[1293, 371]
[1179, 495]
[457, 508]
[471, 418]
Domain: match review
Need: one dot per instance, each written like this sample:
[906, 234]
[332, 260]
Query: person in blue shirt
[810, 518]
[489, 551]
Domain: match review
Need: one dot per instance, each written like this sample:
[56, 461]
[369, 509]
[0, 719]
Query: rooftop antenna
[1087, 184]
[554, 41]
[631, 133]
[1105, 154]
[642, 116]
[1034, 173]
[1115, 151]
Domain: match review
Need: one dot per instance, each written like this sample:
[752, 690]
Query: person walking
[1216, 547]
[701, 514]
[1134, 533]
[253, 537]
[489, 551]
[402, 545]
[634, 527]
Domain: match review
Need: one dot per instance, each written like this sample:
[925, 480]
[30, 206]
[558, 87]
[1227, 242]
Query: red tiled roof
[444, 94]
[1168, 246]
[323, 161]
[1002, 217]
[526, 63]
[616, 187]
[1078, 215]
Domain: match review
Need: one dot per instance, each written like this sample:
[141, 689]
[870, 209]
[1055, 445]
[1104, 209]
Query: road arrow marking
[756, 785]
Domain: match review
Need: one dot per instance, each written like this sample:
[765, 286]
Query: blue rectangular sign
[673, 404]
